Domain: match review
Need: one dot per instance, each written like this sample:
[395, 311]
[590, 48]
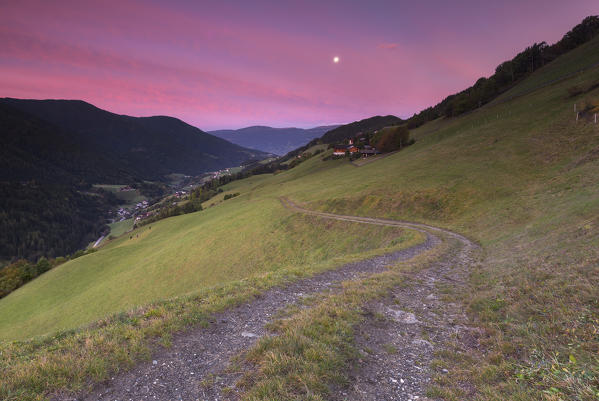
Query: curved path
[197, 365]
[420, 319]
[425, 228]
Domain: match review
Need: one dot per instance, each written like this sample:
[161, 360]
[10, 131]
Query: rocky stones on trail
[403, 317]
[397, 351]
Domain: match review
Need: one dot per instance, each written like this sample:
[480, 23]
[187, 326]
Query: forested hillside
[44, 219]
[47, 205]
[34, 149]
[508, 74]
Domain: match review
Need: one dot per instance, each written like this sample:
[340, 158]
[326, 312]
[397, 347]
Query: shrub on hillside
[194, 205]
[354, 156]
[391, 138]
[229, 196]
[22, 271]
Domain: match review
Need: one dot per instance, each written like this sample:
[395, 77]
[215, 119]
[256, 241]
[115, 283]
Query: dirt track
[195, 366]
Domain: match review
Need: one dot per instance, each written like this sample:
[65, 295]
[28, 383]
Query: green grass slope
[120, 227]
[240, 238]
[127, 198]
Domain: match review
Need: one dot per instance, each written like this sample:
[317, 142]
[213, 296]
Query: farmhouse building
[341, 150]
[368, 151]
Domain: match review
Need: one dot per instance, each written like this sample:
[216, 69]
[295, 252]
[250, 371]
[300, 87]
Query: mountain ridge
[149, 147]
[279, 141]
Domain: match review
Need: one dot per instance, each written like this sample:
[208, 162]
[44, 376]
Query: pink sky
[230, 64]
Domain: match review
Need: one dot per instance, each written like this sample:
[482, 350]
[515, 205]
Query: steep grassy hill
[272, 140]
[520, 177]
[239, 239]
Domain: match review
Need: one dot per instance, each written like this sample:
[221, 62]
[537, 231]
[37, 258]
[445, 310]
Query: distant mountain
[34, 149]
[146, 147]
[272, 140]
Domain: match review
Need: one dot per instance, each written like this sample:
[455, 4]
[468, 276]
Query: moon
[335, 59]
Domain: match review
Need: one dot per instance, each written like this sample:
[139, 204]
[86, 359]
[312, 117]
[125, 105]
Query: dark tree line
[49, 220]
[508, 73]
[22, 271]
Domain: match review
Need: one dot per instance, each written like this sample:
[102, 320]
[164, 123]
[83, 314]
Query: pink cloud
[388, 46]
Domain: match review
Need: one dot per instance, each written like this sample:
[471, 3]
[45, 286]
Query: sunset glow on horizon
[232, 64]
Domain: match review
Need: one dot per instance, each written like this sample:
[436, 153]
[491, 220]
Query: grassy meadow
[520, 177]
[118, 228]
[242, 237]
[164, 278]
[127, 198]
